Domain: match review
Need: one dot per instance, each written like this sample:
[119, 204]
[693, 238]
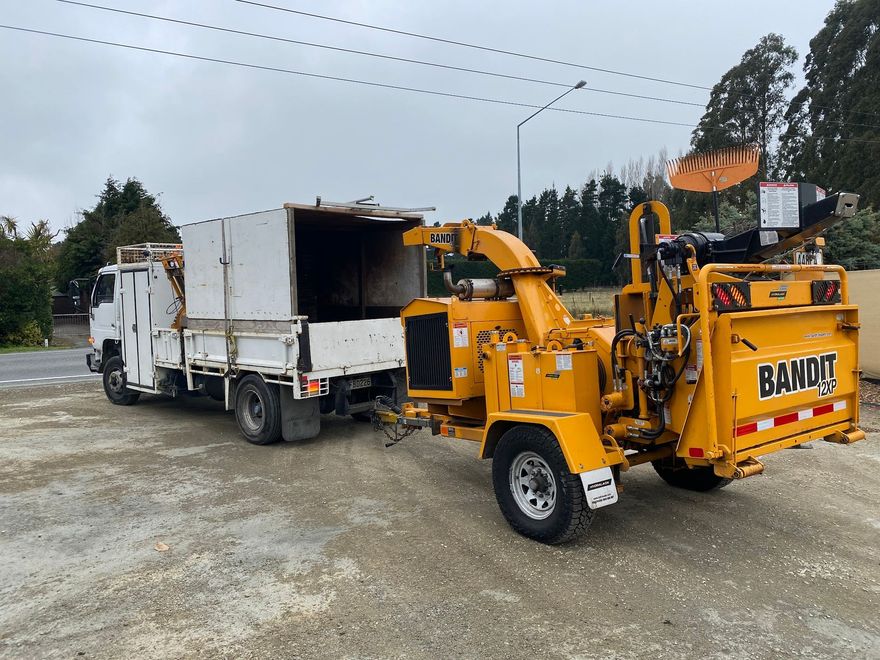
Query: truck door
[137, 348]
[103, 309]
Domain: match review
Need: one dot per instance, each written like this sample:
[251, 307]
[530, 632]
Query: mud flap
[300, 418]
[599, 487]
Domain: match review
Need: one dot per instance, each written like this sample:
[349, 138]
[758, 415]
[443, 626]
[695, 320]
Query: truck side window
[104, 289]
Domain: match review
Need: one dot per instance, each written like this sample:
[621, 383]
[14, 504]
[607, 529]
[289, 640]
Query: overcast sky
[216, 140]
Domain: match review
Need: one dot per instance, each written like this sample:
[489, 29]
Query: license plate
[360, 383]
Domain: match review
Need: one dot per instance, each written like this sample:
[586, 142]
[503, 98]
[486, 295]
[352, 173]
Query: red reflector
[786, 419]
[821, 410]
[747, 428]
[695, 452]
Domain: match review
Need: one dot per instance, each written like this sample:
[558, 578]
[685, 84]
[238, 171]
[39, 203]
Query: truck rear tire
[258, 410]
[699, 479]
[114, 381]
[536, 492]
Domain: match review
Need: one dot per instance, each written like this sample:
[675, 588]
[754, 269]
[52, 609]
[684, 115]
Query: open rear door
[137, 346]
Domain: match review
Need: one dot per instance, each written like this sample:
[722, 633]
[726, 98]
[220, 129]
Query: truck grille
[428, 361]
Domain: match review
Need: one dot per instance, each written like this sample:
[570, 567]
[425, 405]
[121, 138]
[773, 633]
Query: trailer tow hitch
[387, 417]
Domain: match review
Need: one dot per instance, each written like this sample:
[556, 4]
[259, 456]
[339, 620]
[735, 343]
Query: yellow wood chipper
[714, 358]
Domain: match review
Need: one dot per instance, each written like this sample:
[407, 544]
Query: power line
[340, 49]
[370, 83]
[501, 51]
[467, 45]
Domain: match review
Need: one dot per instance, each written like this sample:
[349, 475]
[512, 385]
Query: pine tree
[748, 104]
[125, 214]
[833, 133]
[576, 246]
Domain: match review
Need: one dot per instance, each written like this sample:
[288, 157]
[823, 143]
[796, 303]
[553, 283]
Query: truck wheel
[700, 479]
[537, 494]
[115, 383]
[258, 410]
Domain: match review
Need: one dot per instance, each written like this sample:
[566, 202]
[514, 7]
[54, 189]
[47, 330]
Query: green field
[598, 301]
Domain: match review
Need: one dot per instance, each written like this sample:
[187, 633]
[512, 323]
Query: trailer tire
[258, 410]
[699, 479]
[114, 382]
[551, 506]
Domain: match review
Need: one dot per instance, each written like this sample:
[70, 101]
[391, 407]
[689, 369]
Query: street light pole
[519, 219]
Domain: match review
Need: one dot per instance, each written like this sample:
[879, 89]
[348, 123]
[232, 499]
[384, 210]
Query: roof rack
[147, 252]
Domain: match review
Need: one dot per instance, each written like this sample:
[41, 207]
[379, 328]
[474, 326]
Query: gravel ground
[869, 391]
[156, 531]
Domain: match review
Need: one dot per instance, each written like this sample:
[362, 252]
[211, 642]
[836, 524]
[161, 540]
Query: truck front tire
[258, 410]
[115, 383]
[537, 494]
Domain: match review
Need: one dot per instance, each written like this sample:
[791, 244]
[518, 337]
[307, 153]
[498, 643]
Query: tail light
[731, 295]
[826, 292]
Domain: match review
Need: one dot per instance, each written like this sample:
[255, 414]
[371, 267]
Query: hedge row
[579, 273]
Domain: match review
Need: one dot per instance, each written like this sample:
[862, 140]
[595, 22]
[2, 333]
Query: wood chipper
[713, 359]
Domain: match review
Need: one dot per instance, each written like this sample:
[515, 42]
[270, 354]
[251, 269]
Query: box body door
[137, 348]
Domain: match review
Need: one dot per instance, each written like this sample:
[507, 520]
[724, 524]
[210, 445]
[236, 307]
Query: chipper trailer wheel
[258, 410]
[699, 479]
[115, 383]
[537, 494]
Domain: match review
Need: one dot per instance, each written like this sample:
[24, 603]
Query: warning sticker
[461, 372]
[599, 487]
[517, 390]
[563, 362]
[515, 373]
[699, 344]
[779, 206]
[460, 337]
[768, 238]
[665, 238]
[690, 374]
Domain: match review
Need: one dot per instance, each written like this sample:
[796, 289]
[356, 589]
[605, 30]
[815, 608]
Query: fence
[70, 320]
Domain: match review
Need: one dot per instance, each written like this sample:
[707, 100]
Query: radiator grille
[428, 359]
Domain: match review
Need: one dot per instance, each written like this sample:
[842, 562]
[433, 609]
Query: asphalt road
[154, 530]
[44, 367]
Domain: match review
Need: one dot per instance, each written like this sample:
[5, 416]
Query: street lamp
[519, 222]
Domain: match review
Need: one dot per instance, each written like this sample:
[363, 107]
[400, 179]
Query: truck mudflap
[771, 379]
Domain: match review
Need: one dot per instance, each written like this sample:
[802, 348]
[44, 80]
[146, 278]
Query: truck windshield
[103, 292]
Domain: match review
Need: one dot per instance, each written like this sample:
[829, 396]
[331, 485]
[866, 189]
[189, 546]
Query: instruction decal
[516, 375]
[460, 337]
[779, 205]
[461, 372]
[563, 362]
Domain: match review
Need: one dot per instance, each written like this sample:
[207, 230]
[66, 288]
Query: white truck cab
[104, 319]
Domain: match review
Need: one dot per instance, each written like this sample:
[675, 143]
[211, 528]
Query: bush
[30, 334]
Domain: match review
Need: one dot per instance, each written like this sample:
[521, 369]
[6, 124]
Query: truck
[283, 315]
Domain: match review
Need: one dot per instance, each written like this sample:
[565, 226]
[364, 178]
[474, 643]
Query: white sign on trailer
[779, 206]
